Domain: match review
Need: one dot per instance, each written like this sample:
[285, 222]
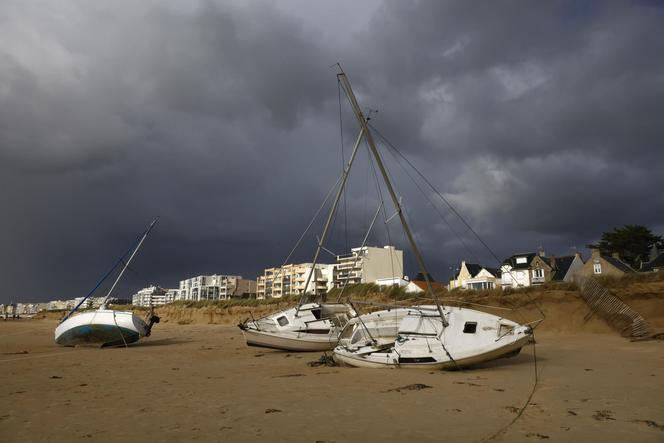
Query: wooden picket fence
[613, 310]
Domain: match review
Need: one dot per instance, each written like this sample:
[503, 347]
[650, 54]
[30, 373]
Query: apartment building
[291, 280]
[216, 287]
[367, 265]
[150, 296]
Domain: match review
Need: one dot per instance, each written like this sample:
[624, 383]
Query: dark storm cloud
[539, 122]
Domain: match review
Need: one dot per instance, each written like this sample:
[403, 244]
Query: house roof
[474, 269]
[422, 284]
[562, 266]
[617, 263]
[493, 271]
[512, 260]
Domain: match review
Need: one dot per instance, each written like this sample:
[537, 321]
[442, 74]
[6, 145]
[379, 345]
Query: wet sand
[201, 382]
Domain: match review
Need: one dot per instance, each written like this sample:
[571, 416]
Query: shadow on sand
[160, 342]
[524, 358]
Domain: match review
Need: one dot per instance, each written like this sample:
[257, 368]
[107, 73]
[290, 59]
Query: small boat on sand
[415, 337]
[106, 327]
[315, 328]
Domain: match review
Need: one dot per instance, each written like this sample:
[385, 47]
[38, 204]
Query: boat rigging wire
[306, 230]
[435, 208]
[452, 208]
[110, 271]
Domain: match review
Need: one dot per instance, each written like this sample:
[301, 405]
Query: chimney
[594, 251]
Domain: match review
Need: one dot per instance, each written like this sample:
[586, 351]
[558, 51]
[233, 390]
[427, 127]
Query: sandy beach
[201, 382]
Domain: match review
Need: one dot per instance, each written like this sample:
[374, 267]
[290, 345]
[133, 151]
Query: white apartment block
[367, 265]
[215, 287]
[150, 296]
[291, 280]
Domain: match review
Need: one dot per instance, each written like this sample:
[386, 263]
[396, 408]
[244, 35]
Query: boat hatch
[283, 320]
[470, 327]
[316, 313]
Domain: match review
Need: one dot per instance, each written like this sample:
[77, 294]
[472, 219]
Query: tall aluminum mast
[126, 265]
[330, 217]
[374, 151]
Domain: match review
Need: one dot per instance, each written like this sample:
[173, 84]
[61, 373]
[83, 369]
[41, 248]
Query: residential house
[530, 269]
[422, 283]
[516, 271]
[475, 276]
[409, 286]
[600, 264]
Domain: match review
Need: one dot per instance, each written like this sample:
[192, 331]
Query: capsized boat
[106, 327]
[416, 337]
[311, 327]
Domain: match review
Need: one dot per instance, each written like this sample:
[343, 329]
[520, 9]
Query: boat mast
[138, 246]
[330, 217]
[374, 151]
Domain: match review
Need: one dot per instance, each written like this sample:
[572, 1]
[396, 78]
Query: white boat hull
[311, 327]
[291, 341]
[415, 337]
[352, 359]
[101, 327]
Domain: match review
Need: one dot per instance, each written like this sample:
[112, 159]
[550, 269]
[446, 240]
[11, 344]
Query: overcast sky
[541, 122]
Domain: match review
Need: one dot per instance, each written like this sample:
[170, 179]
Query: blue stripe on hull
[103, 335]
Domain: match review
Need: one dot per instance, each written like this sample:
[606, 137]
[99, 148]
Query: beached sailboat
[106, 327]
[415, 337]
[315, 327]
[432, 336]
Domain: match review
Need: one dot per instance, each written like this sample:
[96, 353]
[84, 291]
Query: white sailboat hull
[391, 361]
[291, 341]
[312, 327]
[101, 327]
[415, 338]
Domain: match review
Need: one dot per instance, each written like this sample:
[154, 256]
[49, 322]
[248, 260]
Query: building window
[597, 268]
[538, 273]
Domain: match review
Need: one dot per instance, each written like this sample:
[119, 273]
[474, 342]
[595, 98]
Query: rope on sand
[504, 429]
